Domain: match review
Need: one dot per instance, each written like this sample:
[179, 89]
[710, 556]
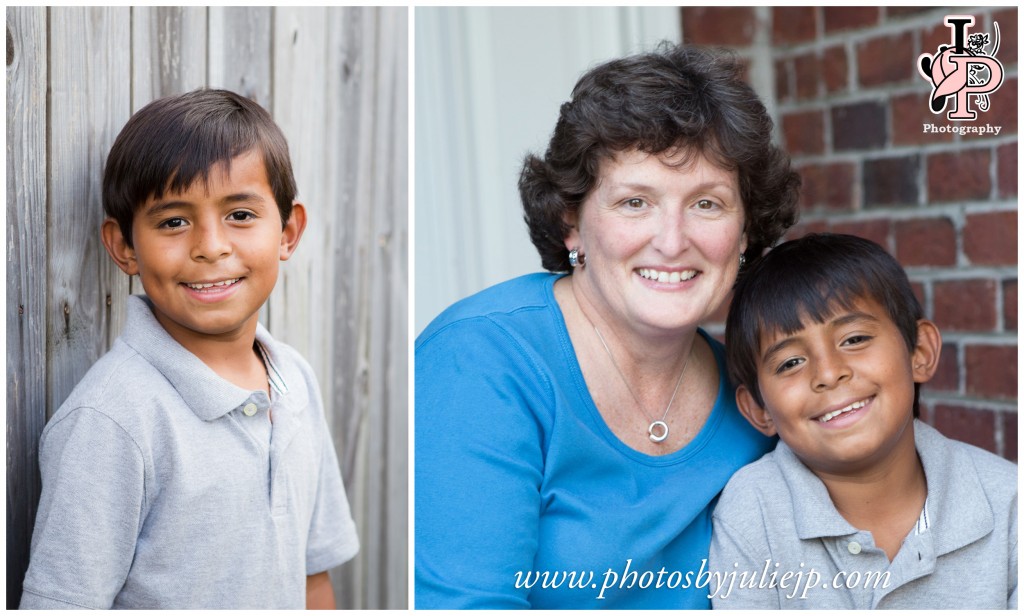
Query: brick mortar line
[857, 94]
[961, 273]
[887, 26]
[961, 364]
[1000, 438]
[966, 339]
[916, 84]
[1000, 405]
[895, 151]
[962, 340]
[912, 212]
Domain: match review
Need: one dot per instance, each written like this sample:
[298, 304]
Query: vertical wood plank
[369, 377]
[393, 300]
[351, 376]
[240, 51]
[299, 306]
[26, 280]
[89, 103]
[168, 51]
[393, 578]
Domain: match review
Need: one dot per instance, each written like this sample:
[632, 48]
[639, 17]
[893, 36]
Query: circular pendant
[658, 431]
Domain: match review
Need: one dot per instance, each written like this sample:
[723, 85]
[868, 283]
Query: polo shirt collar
[814, 515]
[961, 510]
[952, 482]
[204, 391]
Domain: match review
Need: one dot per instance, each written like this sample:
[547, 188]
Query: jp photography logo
[963, 74]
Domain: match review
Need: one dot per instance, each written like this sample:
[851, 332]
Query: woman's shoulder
[500, 302]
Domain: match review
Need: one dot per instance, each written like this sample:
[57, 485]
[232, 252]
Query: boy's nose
[831, 371]
[211, 243]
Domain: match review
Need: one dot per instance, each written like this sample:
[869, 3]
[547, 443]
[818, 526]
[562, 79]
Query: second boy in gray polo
[775, 517]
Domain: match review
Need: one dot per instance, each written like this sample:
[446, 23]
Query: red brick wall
[849, 105]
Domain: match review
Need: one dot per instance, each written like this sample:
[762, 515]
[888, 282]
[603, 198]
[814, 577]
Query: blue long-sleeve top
[524, 498]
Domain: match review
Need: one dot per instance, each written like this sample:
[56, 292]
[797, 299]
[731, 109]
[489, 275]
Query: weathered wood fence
[335, 79]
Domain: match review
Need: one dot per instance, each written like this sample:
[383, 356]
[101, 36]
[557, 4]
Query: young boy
[860, 505]
[192, 467]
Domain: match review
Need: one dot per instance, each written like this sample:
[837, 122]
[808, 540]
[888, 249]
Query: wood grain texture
[371, 276]
[351, 376]
[88, 105]
[168, 51]
[299, 305]
[26, 279]
[241, 43]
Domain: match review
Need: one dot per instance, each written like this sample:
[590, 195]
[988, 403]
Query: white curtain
[488, 86]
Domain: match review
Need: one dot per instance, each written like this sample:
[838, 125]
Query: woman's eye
[635, 203]
[173, 223]
[706, 204]
[789, 364]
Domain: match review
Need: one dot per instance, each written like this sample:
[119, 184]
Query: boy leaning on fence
[192, 466]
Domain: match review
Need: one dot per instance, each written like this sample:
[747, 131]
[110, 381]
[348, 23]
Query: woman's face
[662, 241]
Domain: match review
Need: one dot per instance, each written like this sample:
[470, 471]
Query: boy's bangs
[816, 302]
[209, 145]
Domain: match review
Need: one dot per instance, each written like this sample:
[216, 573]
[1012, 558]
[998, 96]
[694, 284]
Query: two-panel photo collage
[417, 307]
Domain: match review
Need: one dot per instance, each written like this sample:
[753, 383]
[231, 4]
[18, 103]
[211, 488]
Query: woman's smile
[662, 235]
[673, 276]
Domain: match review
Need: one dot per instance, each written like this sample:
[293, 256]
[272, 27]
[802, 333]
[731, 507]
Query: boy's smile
[208, 257]
[839, 393]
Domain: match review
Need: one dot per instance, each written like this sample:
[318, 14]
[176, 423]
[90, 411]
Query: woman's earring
[743, 259]
[576, 259]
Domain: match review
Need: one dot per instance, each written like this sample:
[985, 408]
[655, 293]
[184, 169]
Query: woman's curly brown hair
[676, 98]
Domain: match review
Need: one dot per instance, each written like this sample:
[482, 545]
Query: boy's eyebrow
[243, 197]
[850, 317]
[775, 348]
[159, 208]
[845, 319]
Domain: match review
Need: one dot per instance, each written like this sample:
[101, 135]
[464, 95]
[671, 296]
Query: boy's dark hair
[172, 141]
[676, 99]
[812, 277]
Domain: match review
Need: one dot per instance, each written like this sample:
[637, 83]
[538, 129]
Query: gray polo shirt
[775, 518]
[165, 486]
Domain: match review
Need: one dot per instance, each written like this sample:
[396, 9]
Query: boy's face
[840, 394]
[208, 257]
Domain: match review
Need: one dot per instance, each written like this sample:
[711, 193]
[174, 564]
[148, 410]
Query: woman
[573, 430]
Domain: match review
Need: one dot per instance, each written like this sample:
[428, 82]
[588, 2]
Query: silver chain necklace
[657, 431]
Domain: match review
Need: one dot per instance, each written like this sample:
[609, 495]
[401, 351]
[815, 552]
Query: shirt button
[249, 409]
[854, 547]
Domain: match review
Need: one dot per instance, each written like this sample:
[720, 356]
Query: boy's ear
[292, 232]
[757, 416]
[118, 249]
[925, 359]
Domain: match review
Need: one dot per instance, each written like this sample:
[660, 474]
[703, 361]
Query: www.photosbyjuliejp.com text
[795, 583]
